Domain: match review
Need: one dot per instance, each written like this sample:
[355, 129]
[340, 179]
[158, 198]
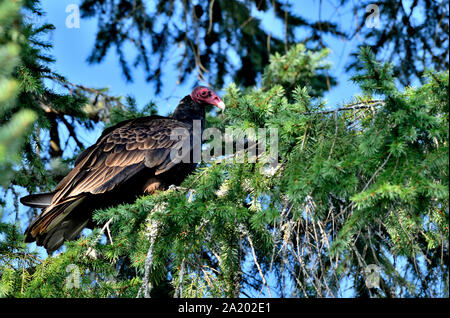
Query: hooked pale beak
[221, 105]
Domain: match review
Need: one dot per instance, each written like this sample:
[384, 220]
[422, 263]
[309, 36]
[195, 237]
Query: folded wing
[120, 153]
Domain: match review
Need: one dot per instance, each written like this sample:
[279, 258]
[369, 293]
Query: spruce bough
[355, 186]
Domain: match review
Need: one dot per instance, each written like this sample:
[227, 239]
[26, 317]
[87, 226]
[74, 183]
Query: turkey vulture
[129, 159]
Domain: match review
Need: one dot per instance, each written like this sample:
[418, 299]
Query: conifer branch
[179, 287]
[152, 232]
[355, 106]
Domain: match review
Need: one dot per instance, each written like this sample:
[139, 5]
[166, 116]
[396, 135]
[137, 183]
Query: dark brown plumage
[129, 159]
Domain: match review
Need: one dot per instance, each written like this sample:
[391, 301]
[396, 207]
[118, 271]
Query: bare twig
[261, 274]
[362, 105]
[211, 5]
[91, 251]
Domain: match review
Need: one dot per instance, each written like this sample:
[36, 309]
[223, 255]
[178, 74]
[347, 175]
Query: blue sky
[73, 45]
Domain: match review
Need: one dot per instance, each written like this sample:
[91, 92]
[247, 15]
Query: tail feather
[58, 223]
[40, 224]
[68, 230]
[41, 200]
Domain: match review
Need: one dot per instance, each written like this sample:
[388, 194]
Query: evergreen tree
[31, 117]
[14, 254]
[413, 35]
[360, 187]
[206, 33]
[363, 185]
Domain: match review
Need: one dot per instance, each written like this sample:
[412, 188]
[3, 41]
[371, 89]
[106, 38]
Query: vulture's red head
[204, 96]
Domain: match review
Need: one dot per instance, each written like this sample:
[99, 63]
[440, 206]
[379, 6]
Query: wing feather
[121, 152]
[131, 146]
[109, 146]
[145, 142]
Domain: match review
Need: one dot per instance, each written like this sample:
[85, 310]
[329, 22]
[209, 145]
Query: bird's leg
[152, 185]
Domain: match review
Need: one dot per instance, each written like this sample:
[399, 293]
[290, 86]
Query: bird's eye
[203, 93]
